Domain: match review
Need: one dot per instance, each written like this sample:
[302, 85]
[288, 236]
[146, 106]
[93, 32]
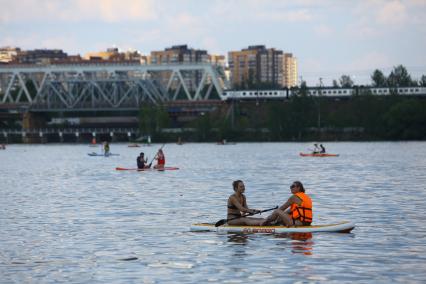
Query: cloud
[323, 30]
[371, 60]
[302, 15]
[77, 10]
[392, 13]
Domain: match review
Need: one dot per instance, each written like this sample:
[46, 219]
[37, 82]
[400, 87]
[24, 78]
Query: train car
[327, 92]
[331, 92]
[255, 94]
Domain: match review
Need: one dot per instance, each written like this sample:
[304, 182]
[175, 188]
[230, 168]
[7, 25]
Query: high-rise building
[290, 70]
[7, 54]
[179, 54]
[258, 65]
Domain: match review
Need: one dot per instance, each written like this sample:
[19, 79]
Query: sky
[329, 38]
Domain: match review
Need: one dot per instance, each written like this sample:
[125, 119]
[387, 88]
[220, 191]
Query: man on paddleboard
[237, 204]
[141, 161]
[296, 211]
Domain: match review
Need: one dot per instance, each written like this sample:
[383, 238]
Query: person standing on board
[161, 160]
[296, 211]
[237, 204]
[322, 149]
[106, 148]
[141, 161]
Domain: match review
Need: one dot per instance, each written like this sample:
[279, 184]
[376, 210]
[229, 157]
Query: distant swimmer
[141, 161]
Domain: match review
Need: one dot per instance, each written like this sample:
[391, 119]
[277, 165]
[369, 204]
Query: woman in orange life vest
[297, 211]
[237, 204]
[161, 160]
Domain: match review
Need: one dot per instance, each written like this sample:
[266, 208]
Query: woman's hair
[235, 183]
[300, 185]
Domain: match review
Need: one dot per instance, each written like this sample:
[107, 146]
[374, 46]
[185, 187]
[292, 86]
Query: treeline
[301, 118]
[398, 77]
[304, 118]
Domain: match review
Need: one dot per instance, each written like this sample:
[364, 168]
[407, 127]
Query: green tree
[422, 81]
[406, 120]
[346, 81]
[399, 77]
[378, 79]
[152, 119]
[303, 89]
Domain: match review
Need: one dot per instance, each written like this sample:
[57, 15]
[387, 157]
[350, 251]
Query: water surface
[68, 217]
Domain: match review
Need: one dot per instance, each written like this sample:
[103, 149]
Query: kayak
[148, 169]
[93, 154]
[343, 227]
[318, 155]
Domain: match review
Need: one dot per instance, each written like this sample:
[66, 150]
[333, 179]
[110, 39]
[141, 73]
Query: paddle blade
[220, 223]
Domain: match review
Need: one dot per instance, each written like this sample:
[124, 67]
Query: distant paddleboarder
[142, 161]
[161, 160]
[106, 148]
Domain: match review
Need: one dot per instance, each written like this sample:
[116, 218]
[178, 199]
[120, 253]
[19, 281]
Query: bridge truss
[87, 87]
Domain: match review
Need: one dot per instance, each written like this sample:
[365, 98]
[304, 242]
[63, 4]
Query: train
[328, 92]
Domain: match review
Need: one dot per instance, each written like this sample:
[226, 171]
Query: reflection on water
[69, 217]
[238, 238]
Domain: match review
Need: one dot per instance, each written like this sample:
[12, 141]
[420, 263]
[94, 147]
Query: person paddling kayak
[316, 149]
[161, 160]
[296, 211]
[237, 204]
[322, 149]
[141, 161]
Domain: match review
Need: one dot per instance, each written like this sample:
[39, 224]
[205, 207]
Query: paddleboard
[318, 155]
[148, 169]
[101, 155]
[133, 145]
[343, 227]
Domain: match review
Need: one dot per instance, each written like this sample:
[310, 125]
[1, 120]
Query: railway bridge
[113, 89]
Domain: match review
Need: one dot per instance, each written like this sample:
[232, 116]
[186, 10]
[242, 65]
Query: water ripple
[68, 217]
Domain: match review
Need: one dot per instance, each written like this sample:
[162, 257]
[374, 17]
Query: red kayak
[148, 169]
[318, 155]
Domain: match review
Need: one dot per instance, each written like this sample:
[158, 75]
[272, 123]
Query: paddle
[156, 154]
[223, 221]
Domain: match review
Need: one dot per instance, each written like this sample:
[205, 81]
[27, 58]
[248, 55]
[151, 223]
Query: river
[71, 218]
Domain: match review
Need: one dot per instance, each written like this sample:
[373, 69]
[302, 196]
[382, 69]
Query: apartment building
[179, 54]
[257, 65]
[290, 70]
[7, 54]
[40, 56]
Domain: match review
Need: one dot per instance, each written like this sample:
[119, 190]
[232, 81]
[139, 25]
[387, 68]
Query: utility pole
[319, 103]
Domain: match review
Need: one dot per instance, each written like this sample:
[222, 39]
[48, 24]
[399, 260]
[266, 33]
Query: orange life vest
[302, 212]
